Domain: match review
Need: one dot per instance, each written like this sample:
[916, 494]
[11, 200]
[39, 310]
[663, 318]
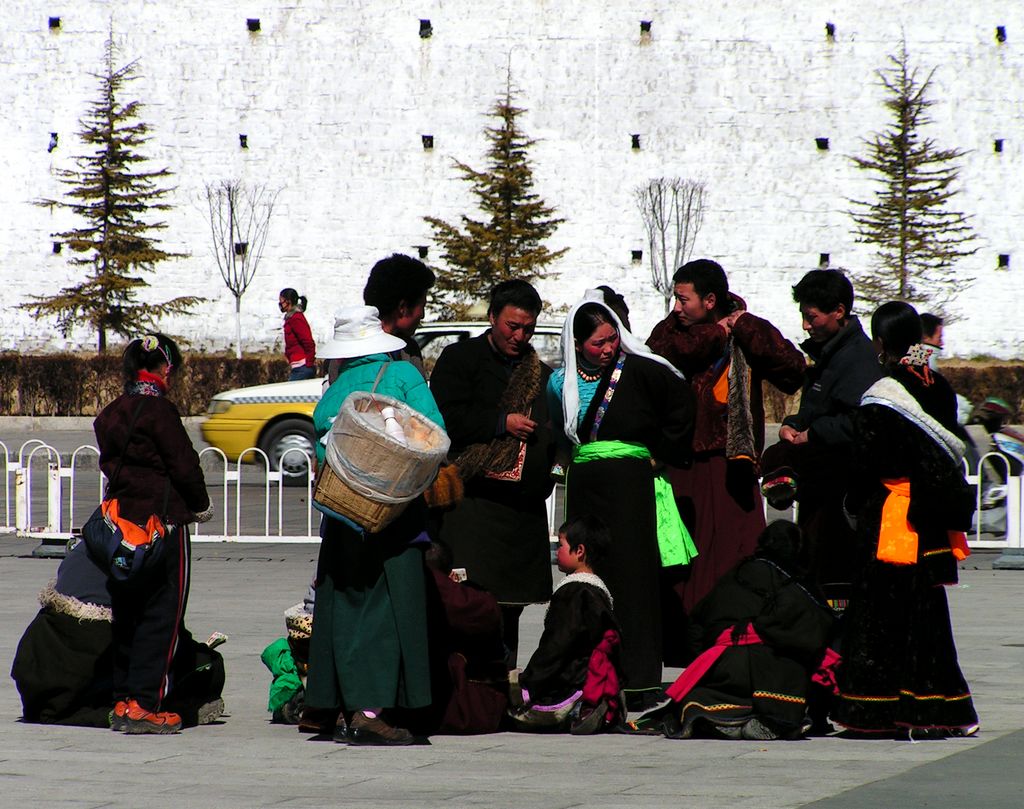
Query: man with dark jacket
[491, 391]
[813, 457]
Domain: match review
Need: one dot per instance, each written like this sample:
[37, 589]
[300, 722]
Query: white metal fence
[50, 495]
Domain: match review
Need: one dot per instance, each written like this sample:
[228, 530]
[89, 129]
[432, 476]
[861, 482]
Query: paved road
[247, 762]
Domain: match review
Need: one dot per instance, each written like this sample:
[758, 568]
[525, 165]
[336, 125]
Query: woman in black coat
[900, 672]
[625, 411]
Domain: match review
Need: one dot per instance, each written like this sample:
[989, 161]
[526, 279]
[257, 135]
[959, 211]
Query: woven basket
[334, 494]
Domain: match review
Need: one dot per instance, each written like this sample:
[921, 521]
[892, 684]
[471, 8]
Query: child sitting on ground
[572, 680]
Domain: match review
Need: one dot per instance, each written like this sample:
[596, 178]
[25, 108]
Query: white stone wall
[334, 97]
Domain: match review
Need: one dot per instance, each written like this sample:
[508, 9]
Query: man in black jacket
[491, 391]
[813, 457]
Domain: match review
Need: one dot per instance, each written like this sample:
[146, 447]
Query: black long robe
[499, 532]
[900, 667]
[653, 407]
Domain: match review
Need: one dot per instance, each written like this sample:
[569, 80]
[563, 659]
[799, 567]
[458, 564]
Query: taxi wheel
[285, 435]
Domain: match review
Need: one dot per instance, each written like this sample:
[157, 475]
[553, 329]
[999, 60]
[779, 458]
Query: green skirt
[369, 643]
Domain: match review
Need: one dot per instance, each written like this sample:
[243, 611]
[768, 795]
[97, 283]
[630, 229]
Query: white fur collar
[887, 392]
[587, 578]
[69, 605]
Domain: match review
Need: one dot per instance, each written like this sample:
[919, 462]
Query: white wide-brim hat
[357, 333]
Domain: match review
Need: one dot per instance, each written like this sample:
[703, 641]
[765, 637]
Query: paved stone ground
[247, 762]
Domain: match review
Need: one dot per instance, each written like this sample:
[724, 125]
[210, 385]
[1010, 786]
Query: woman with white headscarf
[624, 410]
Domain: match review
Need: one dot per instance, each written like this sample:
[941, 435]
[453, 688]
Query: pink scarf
[706, 659]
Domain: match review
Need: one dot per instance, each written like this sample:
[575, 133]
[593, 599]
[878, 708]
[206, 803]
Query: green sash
[674, 541]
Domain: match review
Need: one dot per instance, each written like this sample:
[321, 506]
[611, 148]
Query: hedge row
[80, 385]
[979, 381]
[975, 382]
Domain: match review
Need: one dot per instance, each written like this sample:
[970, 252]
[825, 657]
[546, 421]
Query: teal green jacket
[400, 380]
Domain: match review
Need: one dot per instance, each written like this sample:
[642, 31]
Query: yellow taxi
[279, 417]
[274, 418]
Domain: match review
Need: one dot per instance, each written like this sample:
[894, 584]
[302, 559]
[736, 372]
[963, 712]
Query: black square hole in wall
[422, 250]
[243, 141]
[636, 256]
[997, 145]
[253, 24]
[822, 144]
[54, 22]
[56, 247]
[1004, 260]
[241, 248]
[635, 141]
[830, 30]
[1000, 33]
[823, 259]
[645, 26]
[426, 29]
[428, 142]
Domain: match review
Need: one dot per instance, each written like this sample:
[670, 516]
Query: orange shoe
[140, 720]
[118, 718]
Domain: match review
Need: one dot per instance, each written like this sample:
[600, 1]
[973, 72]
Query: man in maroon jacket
[725, 353]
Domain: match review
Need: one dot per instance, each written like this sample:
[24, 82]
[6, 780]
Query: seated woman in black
[64, 666]
[762, 635]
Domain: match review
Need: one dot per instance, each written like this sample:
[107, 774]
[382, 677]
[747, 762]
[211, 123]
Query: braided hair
[148, 353]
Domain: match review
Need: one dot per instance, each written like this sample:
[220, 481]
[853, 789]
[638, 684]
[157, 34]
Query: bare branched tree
[672, 210]
[239, 224]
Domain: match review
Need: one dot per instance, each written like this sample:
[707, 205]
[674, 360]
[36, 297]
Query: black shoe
[340, 734]
[591, 720]
[376, 732]
[320, 721]
[756, 731]
[291, 712]
[644, 700]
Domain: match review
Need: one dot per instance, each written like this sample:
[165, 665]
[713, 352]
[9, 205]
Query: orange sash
[897, 539]
[721, 389]
[133, 533]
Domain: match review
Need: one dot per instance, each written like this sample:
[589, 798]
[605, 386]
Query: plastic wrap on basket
[375, 475]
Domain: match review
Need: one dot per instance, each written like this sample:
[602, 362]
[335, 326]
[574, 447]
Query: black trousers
[148, 613]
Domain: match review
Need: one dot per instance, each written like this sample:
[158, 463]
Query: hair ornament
[916, 361]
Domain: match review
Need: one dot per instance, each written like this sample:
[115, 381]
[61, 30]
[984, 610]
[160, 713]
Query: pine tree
[507, 243]
[112, 197]
[918, 239]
